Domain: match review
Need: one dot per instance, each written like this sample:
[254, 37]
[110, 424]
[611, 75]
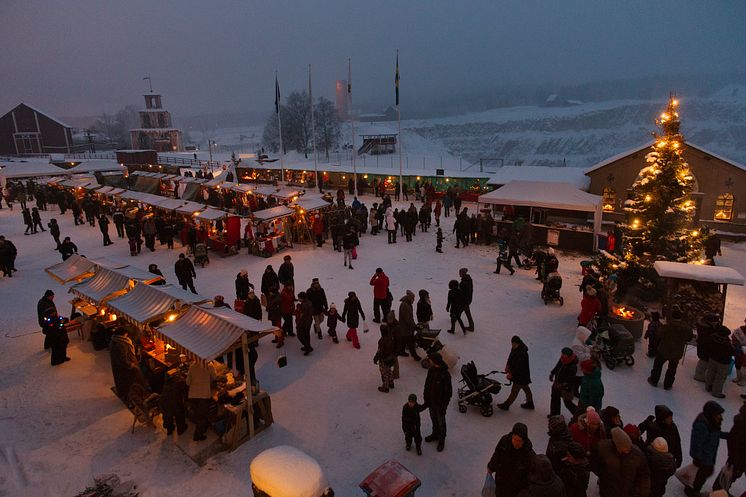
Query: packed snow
[62, 426]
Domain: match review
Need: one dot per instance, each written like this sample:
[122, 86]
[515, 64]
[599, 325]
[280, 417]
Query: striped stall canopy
[105, 283]
[145, 303]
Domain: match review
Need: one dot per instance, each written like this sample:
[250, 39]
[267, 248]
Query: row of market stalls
[176, 329]
[108, 170]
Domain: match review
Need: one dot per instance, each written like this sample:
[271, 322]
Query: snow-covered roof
[412, 172]
[207, 333]
[168, 203]
[285, 471]
[649, 144]
[97, 165]
[698, 272]
[547, 194]
[210, 214]
[573, 175]
[273, 213]
[79, 182]
[286, 193]
[105, 283]
[30, 169]
[76, 267]
[190, 207]
[145, 303]
[312, 204]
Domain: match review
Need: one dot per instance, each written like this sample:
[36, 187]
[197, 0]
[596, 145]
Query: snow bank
[285, 471]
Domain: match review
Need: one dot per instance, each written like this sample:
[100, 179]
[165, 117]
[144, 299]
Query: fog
[84, 57]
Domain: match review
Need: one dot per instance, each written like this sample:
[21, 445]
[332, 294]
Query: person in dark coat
[437, 394]
[562, 377]
[662, 466]
[410, 423]
[45, 304]
[252, 306]
[621, 467]
[385, 358]
[455, 306]
[591, 386]
[662, 425]
[270, 281]
[118, 218]
[706, 326]
[54, 230]
[103, 225]
[736, 446]
[7, 257]
[351, 313]
[303, 321]
[153, 269]
[407, 326]
[36, 218]
[673, 337]
[575, 471]
[124, 363]
[721, 353]
[243, 285]
[519, 373]
[332, 318]
[703, 447]
[185, 273]
[27, 221]
[712, 246]
[466, 285]
[511, 462]
[54, 330]
[171, 403]
[319, 304]
[67, 248]
[560, 439]
[424, 308]
[286, 273]
[542, 480]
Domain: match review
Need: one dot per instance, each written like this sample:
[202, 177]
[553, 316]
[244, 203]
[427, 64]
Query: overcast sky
[83, 57]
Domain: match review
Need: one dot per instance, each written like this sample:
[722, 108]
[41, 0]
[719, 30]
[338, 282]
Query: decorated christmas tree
[658, 224]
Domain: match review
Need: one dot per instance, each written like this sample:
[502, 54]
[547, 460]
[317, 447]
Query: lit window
[724, 207]
[609, 199]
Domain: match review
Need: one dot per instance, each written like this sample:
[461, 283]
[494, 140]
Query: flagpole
[352, 121]
[398, 116]
[313, 132]
[279, 127]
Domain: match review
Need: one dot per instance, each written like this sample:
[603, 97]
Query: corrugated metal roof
[145, 303]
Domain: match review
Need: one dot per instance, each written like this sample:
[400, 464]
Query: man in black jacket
[511, 462]
[519, 373]
[103, 225]
[662, 425]
[437, 395]
[286, 273]
[467, 290]
[317, 296]
[184, 270]
[45, 304]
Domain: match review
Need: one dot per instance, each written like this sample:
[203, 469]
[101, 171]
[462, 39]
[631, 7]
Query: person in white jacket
[390, 221]
[200, 379]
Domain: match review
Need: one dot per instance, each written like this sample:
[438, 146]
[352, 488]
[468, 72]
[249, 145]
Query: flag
[396, 78]
[277, 95]
[349, 77]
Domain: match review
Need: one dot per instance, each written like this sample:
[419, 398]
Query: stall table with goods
[270, 230]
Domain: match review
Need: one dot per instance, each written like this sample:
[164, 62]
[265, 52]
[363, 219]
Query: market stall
[75, 268]
[203, 335]
[559, 214]
[107, 283]
[224, 230]
[145, 303]
[270, 229]
[696, 289]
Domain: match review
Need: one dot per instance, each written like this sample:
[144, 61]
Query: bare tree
[296, 126]
[327, 125]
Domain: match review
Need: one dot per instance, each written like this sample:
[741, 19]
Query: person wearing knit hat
[662, 466]
[575, 470]
[410, 420]
[588, 429]
[611, 418]
[562, 377]
[621, 466]
[559, 440]
[511, 461]
[242, 285]
[45, 304]
[591, 386]
[332, 318]
[704, 444]
[519, 373]
[590, 305]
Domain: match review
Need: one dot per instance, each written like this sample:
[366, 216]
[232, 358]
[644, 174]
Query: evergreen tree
[659, 214]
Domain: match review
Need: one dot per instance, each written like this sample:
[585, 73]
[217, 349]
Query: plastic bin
[390, 479]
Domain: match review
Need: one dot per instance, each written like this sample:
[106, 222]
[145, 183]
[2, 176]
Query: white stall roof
[547, 194]
[240, 320]
[574, 175]
[286, 193]
[30, 169]
[107, 282]
[79, 182]
[241, 187]
[76, 267]
[145, 303]
[98, 165]
[273, 213]
[698, 272]
[169, 203]
[210, 214]
[266, 190]
[190, 207]
[206, 333]
[311, 204]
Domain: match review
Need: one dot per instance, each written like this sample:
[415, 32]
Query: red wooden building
[26, 130]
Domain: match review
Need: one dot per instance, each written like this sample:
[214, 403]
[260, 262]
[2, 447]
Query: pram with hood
[478, 389]
[615, 345]
[550, 291]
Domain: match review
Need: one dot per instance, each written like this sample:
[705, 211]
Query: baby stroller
[200, 254]
[551, 289]
[424, 337]
[615, 345]
[478, 389]
[534, 260]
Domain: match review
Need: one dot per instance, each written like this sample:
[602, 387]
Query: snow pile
[285, 471]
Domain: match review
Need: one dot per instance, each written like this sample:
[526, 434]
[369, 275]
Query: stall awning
[107, 283]
[273, 213]
[79, 182]
[170, 204]
[145, 303]
[698, 272]
[241, 188]
[190, 207]
[546, 194]
[76, 267]
[210, 214]
[286, 193]
[30, 169]
[312, 204]
[207, 333]
[265, 190]
[214, 182]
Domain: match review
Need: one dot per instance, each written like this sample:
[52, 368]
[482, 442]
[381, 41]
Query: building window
[609, 199]
[724, 207]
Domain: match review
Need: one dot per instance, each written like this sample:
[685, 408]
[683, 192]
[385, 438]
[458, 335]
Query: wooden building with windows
[719, 190]
[25, 130]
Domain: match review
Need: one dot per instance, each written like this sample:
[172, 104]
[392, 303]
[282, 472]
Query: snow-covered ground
[61, 426]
